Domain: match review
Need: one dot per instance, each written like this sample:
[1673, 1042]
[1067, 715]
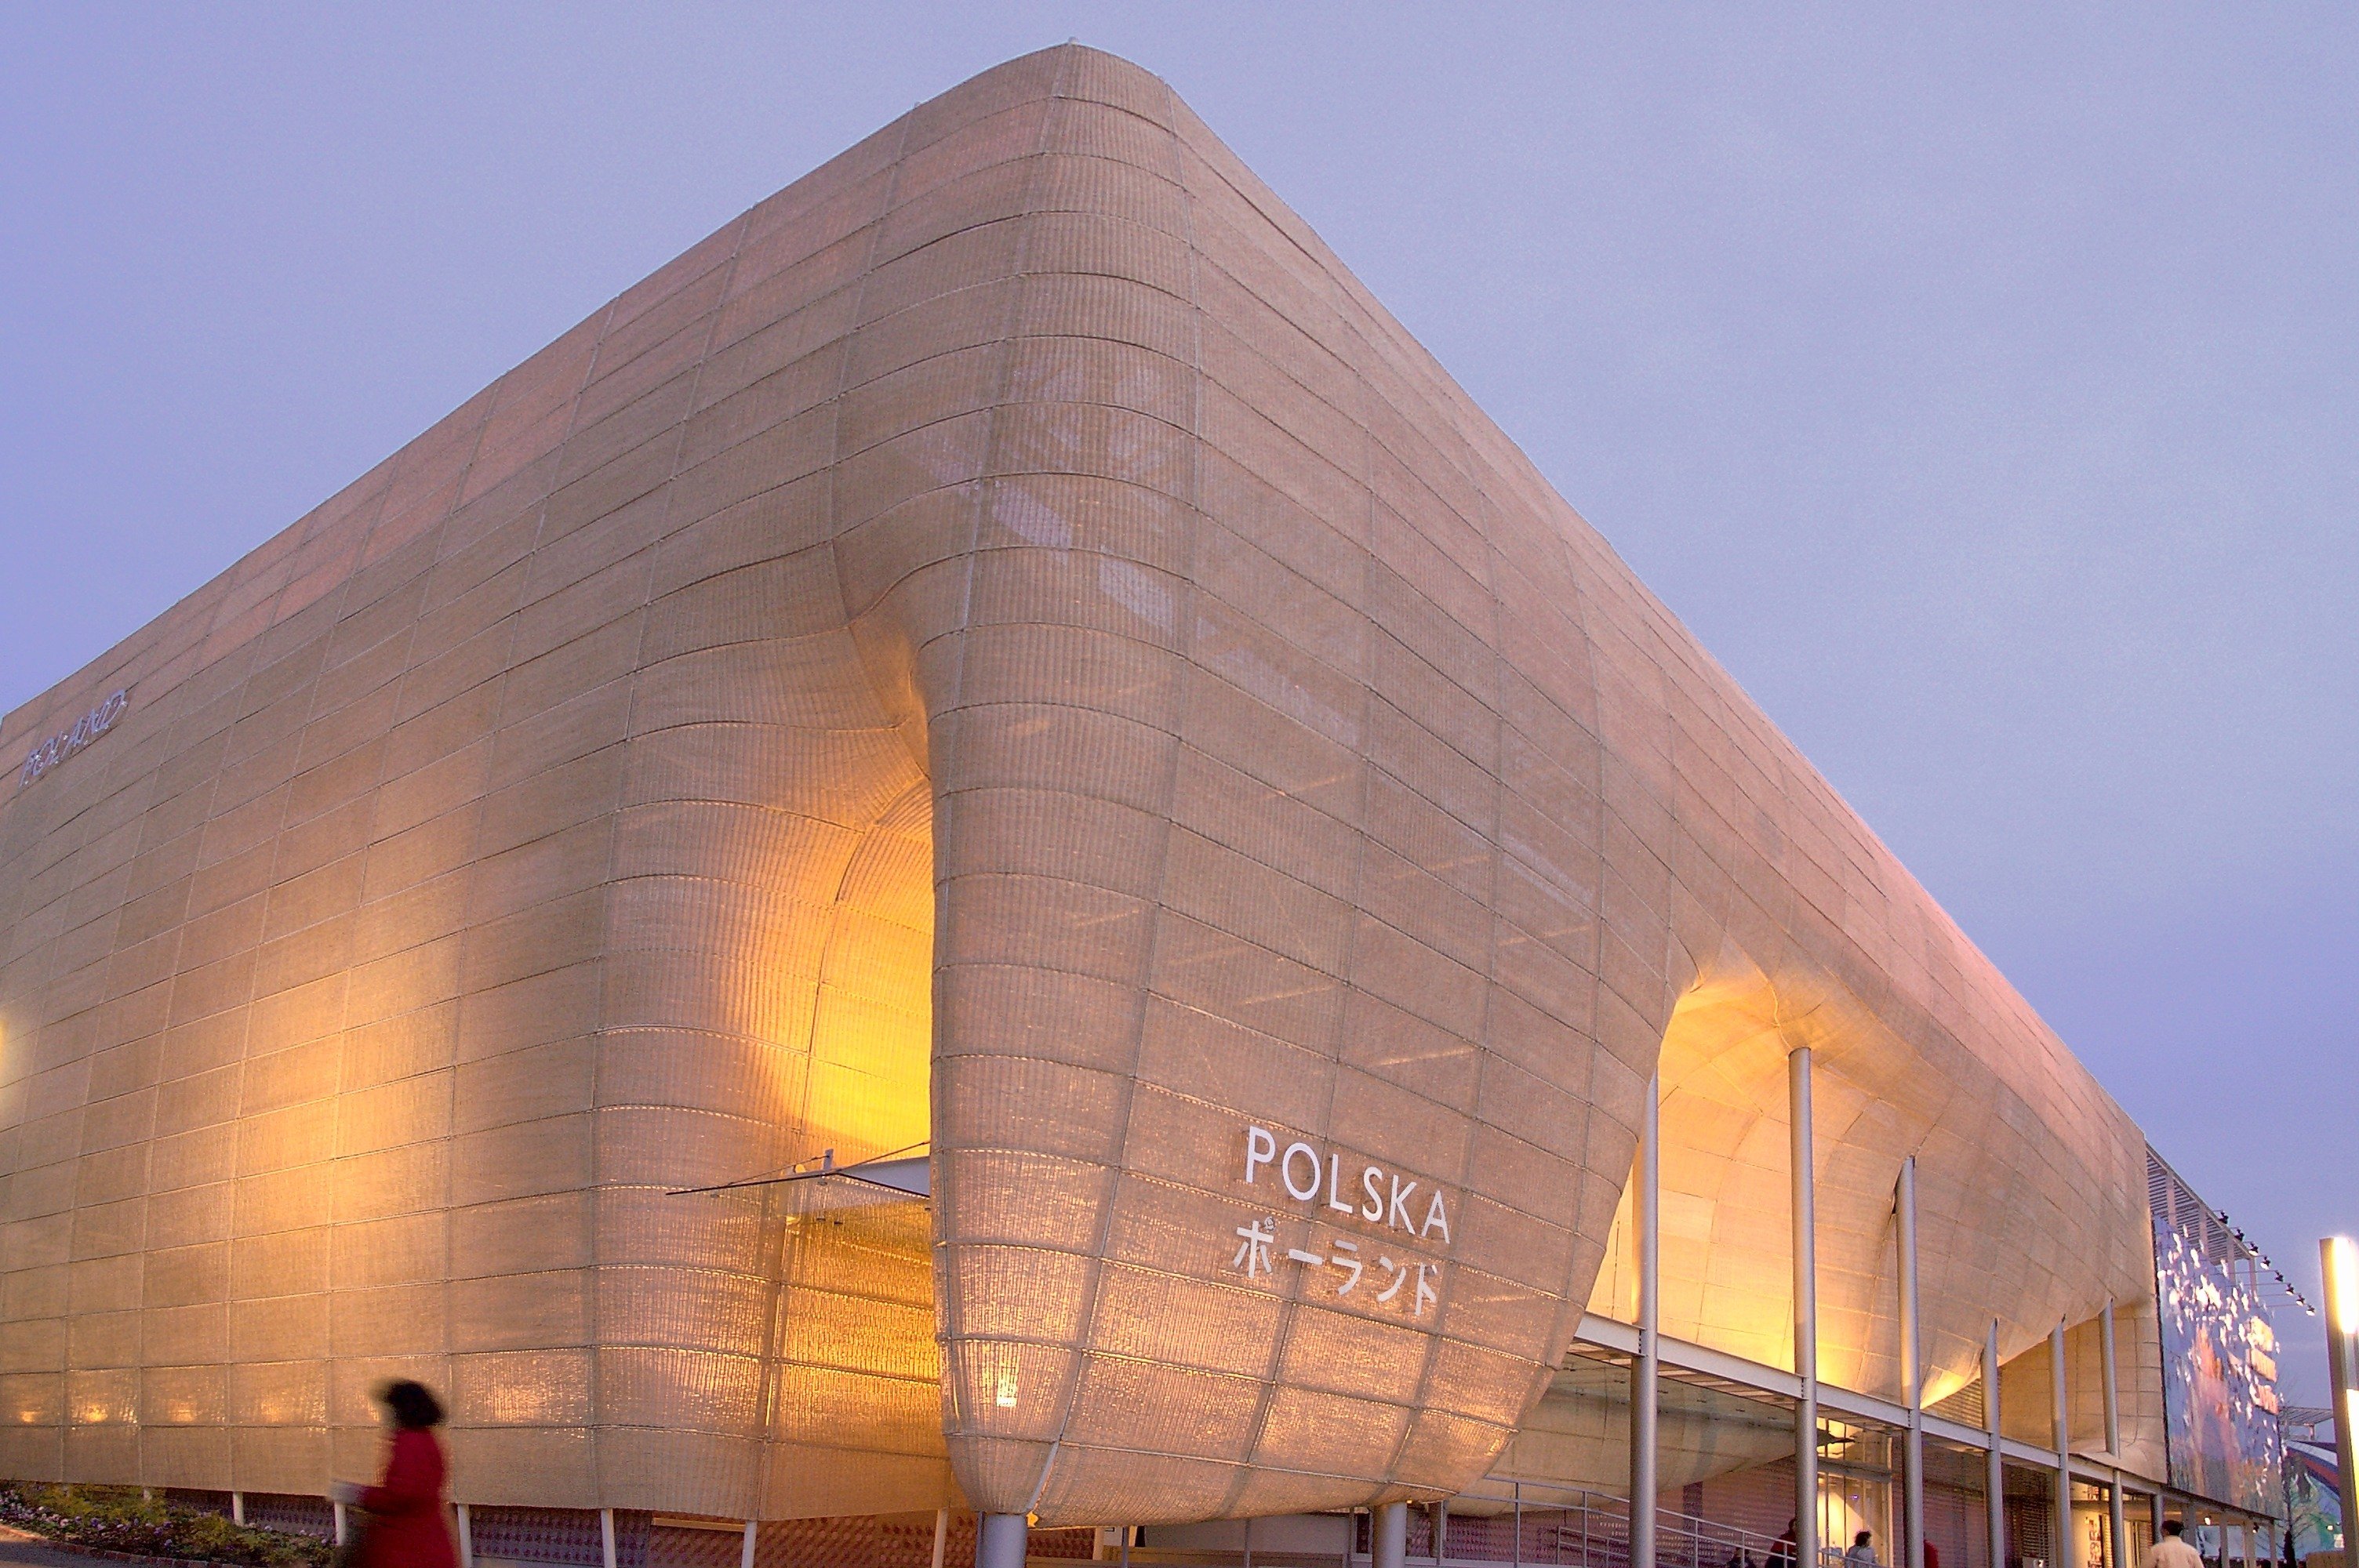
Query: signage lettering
[1300, 1171]
[1383, 1197]
[65, 744]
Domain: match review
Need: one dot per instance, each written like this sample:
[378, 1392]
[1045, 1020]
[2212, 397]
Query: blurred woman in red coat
[405, 1527]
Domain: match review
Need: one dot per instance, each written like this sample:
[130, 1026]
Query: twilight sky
[1981, 387]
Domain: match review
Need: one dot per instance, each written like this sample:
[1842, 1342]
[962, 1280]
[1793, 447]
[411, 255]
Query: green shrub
[119, 1519]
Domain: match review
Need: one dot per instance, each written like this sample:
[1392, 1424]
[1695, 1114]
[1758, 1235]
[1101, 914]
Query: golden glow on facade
[1004, 649]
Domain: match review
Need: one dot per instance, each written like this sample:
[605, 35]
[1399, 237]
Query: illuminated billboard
[2313, 1494]
[2219, 1378]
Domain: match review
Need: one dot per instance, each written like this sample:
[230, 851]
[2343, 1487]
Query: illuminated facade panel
[1006, 649]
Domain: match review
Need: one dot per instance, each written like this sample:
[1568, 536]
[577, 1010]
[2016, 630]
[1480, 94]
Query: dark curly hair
[413, 1404]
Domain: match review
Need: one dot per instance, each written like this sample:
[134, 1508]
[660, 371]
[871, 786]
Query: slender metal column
[1440, 1530]
[1806, 1311]
[2060, 1423]
[606, 1534]
[1515, 1553]
[2338, 1259]
[2117, 1540]
[1994, 1462]
[1646, 1238]
[1388, 1538]
[1000, 1540]
[941, 1540]
[747, 1543]
[466, 1536]
[1912, 1372]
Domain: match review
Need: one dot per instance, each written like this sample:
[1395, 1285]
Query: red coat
[407, 1530]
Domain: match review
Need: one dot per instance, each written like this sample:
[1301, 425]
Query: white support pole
[1806, 1311]
[606, 1534]
[1515, 1553]
[1387, 1536]
[1912, 1371]
[2118, 1549]
[942, 1539]
[1437, 1549]
[237, 1508]
[1000, 1540]
[752, 1534]
[342, 1536]
[2061, 1424]
[466, 1536]
[2338, 1258]
[1993, 1461]
[1646, 1242]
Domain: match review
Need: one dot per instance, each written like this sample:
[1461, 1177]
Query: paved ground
[20, 1550]
[29, 1553]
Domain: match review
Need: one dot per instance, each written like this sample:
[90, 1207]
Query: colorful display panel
[2315, 1500]
[2219, 1378]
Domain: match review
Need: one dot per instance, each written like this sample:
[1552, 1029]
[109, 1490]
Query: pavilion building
[982, 872]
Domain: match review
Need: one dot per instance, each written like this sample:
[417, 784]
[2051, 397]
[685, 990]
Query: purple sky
[1979, 386]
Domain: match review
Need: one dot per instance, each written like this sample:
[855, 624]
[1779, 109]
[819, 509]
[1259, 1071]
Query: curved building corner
[984, 849]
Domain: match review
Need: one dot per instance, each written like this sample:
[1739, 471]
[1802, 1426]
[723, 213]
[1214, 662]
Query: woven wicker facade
[1005, 646]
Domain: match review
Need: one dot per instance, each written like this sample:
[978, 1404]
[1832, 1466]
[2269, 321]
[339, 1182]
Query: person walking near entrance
[405, 1527]
[1781, 1551]
[2171, 1552]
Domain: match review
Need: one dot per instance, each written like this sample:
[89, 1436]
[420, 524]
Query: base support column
[1994, 1462]
[1912, 1369]
[1804, 1233]
[1387, 1536]
[2067, 1549]
[1645, 1367]
[1000, 1540]
[2117, 1539]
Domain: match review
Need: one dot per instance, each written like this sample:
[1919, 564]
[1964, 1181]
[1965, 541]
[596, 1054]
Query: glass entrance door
[1851, 1501]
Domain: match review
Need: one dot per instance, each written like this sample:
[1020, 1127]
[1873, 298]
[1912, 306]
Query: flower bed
[118, 1519]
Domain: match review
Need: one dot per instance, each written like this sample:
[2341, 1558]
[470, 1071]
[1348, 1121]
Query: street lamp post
[2339, 1258]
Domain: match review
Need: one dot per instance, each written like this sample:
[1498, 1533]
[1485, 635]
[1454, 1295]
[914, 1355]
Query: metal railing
[1556, 1527]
